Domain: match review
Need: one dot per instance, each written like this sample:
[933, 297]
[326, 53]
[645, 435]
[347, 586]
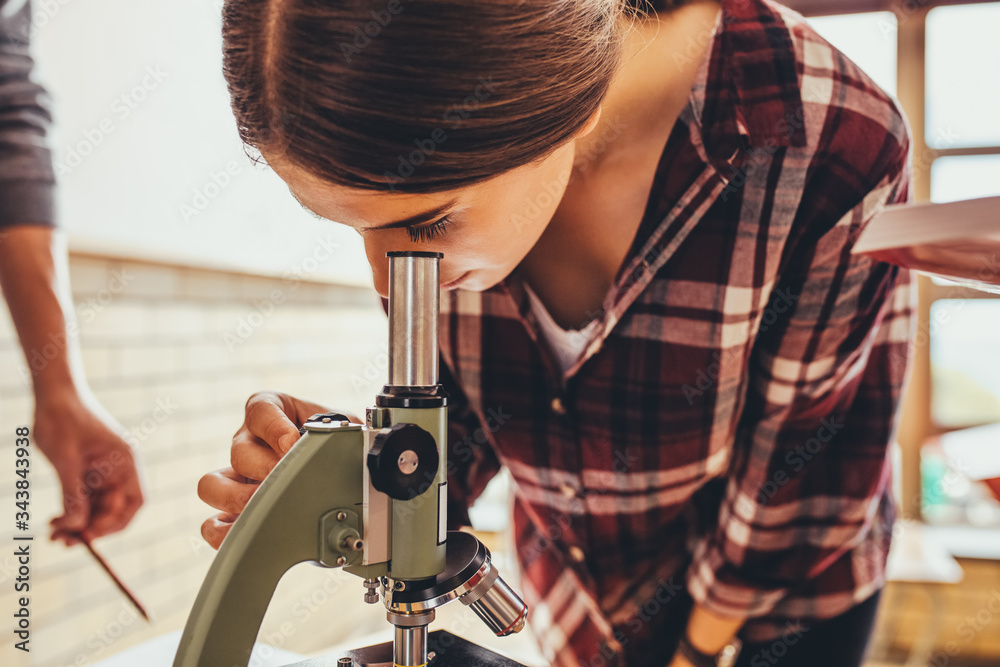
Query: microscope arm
[279, 528]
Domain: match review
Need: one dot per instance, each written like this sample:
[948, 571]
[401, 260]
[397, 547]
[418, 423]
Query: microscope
[371, 499]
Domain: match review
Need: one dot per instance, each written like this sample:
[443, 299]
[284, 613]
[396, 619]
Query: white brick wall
[152, 333]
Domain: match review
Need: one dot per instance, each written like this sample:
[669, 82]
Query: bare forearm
[710, 633]
[33, 275]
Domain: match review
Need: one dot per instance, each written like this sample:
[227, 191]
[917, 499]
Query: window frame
[916, 423]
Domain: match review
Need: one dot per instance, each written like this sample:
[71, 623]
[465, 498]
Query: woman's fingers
[266, 419]
[301, 410]
[215, 528]
[226, 490]
[269, 430]
[251, 457]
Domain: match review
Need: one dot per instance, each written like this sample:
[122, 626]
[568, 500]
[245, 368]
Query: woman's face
[483, 231]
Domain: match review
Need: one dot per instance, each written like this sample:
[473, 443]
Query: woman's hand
[270, 428]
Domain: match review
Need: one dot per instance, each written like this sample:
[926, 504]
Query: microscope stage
[449, 650]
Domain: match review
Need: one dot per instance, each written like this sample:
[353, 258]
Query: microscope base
[449, 650]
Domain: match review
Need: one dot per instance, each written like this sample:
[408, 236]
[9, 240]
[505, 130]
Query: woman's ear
[591, 123]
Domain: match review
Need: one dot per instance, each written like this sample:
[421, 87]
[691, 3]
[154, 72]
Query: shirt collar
[749, 85]
[745, 97]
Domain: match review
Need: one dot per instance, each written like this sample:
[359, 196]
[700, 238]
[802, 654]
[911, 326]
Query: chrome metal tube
[414, 293]
[501, 609]
[409, 647]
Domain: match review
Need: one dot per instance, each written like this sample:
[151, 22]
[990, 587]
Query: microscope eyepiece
[414, 294]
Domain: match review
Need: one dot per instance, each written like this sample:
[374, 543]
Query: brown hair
[419, 95]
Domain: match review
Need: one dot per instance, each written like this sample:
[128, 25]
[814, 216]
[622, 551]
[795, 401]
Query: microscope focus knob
[403, 461]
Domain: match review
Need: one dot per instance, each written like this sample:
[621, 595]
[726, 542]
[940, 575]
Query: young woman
[653, 318]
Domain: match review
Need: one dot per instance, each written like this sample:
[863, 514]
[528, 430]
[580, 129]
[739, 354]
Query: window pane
[963, 76]
[965, 177]
[965, 361]
[867, 39]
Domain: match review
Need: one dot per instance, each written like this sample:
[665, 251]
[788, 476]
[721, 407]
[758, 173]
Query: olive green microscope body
[369, 498]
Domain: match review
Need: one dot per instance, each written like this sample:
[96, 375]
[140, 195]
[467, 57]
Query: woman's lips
[454, 283]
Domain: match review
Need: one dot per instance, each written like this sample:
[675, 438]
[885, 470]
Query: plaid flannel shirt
[726, 432]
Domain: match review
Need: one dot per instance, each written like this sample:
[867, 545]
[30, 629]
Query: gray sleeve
[27, 181]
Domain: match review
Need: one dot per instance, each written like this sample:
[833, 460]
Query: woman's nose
[380, 266]
[380, 279]
[376, 251]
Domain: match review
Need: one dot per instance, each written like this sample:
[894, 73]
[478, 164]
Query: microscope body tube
[413, 396]
[414, 304]
[420, 525]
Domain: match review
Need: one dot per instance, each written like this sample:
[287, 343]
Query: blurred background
[197, 281]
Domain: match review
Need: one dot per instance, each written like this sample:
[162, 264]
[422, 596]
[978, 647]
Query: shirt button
[576, 553]
[557, 406]
[567, 490]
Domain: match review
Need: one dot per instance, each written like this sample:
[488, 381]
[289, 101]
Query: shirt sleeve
[472, 461]
[827, 368]
[27, 181]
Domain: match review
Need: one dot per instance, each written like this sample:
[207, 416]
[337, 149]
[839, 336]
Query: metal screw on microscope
[341, 561]
[341, 516]
[345, 662]
[371, 595]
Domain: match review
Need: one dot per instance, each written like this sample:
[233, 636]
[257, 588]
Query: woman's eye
[427, 232]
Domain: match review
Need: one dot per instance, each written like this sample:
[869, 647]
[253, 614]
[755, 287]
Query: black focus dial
[403, 461]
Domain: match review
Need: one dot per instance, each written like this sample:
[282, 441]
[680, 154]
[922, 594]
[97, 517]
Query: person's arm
[96, 467]
[472, 461]
[33, 278]
[810, 464]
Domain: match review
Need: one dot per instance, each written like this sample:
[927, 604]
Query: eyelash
[428, 232]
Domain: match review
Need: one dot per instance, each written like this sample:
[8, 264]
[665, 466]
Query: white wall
[144, 129]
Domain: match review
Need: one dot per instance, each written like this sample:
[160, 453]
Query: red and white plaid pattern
[727, 430]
